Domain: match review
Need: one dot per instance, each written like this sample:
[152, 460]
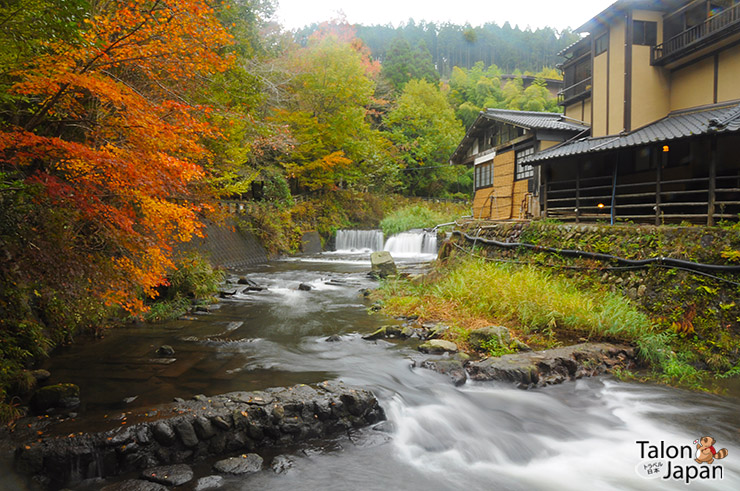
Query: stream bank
[437, 437]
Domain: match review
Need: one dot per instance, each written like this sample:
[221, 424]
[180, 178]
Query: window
[524, 171]
[484, 175]
[601, 44]
[644, 33]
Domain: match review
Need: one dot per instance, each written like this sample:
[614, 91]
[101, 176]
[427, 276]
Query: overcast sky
[559, 14]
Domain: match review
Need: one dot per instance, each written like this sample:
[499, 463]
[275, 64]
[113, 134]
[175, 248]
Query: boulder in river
[169, 475]
[438, 346]
[384, 332]
[553, 366]
[382, 264]
[450, 367]
[66, 396]
[243, 464]
[499, 334]
[165, 350]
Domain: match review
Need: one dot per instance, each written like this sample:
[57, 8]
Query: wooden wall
[503, 200]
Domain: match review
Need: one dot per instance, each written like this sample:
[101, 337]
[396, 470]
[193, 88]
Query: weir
[412, 242]
[359, 240]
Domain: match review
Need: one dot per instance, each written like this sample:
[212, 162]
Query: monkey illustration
[705, 452]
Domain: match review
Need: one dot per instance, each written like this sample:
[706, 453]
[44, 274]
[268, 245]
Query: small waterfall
[413, 242]
[358, 240]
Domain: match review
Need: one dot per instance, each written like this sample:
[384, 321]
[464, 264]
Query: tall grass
[419, 216]
[533, 300]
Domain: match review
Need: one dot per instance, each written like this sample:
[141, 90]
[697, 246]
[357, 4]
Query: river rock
[244, 464]
[209, 482]
[163, 433]
[384, 332]
[186, 432]
[165, 350]
[437, 346]
[56, 396]
[382, 264]
[281, 464]
[169, 475]
[452, 368]
[479, 336]
[434, 331]
[334, 338]
[41, 375]
[305, 287]
[553, 366]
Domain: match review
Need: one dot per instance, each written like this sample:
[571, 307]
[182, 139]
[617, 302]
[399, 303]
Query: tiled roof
[535, 120]
[678, 124]
[525, 119]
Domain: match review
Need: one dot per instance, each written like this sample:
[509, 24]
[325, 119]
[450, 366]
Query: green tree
[425, 130]
[402, 63]
[334, 144]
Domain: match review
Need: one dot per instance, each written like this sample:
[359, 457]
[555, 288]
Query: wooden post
[578, 191]
[712, 182]
[658, 179]
[614, 190]
[543, 175]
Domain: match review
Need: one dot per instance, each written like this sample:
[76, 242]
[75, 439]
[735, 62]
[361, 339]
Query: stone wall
[228, 246]
[193, 430]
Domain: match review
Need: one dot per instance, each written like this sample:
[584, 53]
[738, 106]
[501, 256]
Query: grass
[540, 308]
[529, 299]
[422, 215]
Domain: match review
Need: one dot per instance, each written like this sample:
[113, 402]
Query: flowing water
[579, 435]
[415, 244]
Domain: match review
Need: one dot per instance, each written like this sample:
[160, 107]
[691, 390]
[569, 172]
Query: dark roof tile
[678, 124]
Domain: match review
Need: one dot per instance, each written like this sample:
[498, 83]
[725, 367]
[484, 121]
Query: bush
[422, 215]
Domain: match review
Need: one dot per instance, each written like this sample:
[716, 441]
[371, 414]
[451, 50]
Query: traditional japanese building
[496, 144]
[658, 82]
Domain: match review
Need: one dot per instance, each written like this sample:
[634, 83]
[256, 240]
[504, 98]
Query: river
[579, 435]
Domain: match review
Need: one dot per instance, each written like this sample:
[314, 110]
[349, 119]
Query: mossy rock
[438, 346]
[56, 396]
[500, 334]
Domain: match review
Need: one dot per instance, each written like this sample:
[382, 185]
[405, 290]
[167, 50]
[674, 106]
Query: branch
[51, 102]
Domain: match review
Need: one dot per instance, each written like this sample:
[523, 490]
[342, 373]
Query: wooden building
[658, 83]
[496, 144]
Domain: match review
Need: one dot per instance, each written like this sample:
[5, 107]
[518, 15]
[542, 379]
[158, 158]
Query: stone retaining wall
[193, 430]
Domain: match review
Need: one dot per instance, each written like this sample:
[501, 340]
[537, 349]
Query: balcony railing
[578, 90]
[691, 39]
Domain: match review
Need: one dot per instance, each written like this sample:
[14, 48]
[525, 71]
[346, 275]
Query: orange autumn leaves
[109, 133]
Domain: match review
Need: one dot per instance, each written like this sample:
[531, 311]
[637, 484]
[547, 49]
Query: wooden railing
[576, 90]
[658, 201]
[684, 41]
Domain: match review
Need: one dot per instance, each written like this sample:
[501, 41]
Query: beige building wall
[693, 85]
[545, 144]
[599, 92]
[586, 114]
[504, 200]
[728, 80]
[650, 84]
[617, 32]
[581, 110]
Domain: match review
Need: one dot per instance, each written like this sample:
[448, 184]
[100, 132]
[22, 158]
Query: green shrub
[194, 277]
[420, 215]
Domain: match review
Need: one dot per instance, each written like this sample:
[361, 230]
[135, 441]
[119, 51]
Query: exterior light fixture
[600, 205]
[666, 148]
